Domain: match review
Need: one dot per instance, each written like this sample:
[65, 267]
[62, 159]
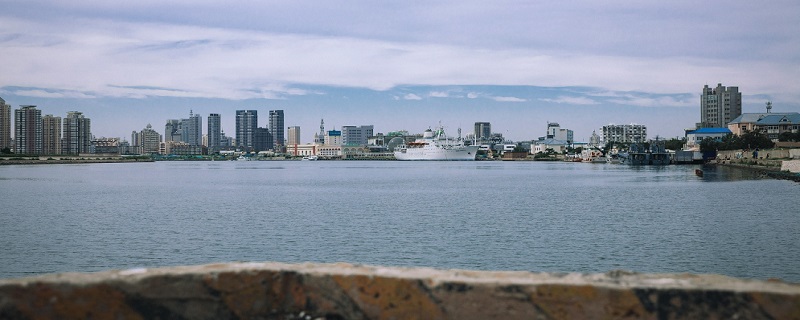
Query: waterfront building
[263, 140]
[329, 151]
[302, 150]
[147, 141]
[173, 130]
[214, 135]
[333, 138]
[483, 132]
[293, 136]
[554, 131]
[77, 134]
[192, 130]
[356, 135]
[51, 134]
[773, 124]
[106, 146]
[719, 105]
[276, 129]
[558, 146]
[225, 142]
[5, 124]
[694, 137]
[246, 124]
[594, 140]
[320, 138]
[624, 133]
[28, 130]
[180, 148]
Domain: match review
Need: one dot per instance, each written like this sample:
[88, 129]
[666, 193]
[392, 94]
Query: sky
[398, 65]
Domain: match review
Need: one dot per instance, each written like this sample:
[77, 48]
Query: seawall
[344, 291]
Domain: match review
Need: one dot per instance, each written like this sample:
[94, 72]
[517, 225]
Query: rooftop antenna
[769, 106]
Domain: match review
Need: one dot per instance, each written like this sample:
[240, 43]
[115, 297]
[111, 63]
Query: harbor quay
[272, 290]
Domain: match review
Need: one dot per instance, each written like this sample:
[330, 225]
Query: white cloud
[571, 100]
[224, 60]
[411, 96]
[49, 94]
[508, 99]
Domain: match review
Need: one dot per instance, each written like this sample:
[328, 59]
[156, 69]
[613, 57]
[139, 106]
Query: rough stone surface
[343, 291]
[791, 166]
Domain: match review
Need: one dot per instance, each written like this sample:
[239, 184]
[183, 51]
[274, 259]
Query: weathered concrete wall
[342, 291]
[791, 166]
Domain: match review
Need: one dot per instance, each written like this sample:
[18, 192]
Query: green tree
[674, 143]
[756, 139]
[710, 144]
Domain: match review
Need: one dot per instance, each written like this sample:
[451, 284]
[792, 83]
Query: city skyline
[400, 66]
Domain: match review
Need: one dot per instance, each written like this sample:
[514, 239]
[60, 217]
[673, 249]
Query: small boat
[311, 158]
[698, 172]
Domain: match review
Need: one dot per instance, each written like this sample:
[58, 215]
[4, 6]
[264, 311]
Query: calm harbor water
[533, 216]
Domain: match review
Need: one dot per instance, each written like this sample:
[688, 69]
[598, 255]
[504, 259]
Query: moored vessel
[436, 146]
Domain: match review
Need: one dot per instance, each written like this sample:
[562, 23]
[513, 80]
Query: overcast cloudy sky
[398, 64]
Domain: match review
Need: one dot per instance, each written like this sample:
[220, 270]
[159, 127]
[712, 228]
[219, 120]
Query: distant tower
[5, 124]
[769, 106]
[192, 129]
[293, 135]
[28, 130]
[77, 134]
[276, 128]
[51, 134]
[483, 131]
[214, 132]
[320, 138]
[719, 105]
[246, 124]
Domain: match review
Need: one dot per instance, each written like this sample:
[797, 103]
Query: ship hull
[465, 153]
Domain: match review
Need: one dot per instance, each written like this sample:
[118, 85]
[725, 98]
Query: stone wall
[342, 291]
[791, 166]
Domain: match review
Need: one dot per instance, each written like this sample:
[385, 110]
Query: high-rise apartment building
[356, 135]
[293, 134]
[28, 130]
[77, 134]
[147, 141]
[276, 128]
[719, 105]
[51, 134]
[192, 130]
[263, 140]
[246, 124]
[214, 132]
[624, 133]
[173, 130]
[483, 131]
[5, 124]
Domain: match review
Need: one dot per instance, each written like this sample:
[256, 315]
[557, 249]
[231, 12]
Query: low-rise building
[558, 146]
[302, 150]
[694, 137]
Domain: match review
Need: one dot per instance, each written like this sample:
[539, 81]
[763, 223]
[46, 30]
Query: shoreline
[771, 172]
[77, 161]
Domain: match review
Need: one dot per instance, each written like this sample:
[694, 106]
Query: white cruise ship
[435, 146]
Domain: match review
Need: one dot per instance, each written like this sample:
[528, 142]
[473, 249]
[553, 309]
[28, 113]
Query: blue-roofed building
[775, 124]
[694, 137]
[750, 121]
